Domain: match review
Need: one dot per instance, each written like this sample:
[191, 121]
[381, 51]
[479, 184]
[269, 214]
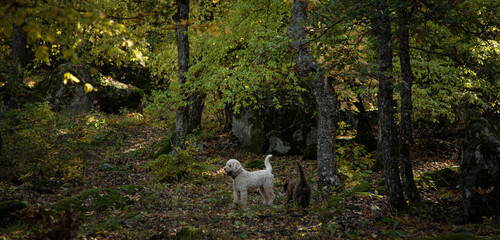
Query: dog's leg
[236, 197]
[271, 196]
[243, 198]
[264, 194]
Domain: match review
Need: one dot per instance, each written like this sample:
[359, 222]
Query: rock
[444, 178]
[284, 131]
[105, 93]
[277, 145]
[480, 170]
[107, 167]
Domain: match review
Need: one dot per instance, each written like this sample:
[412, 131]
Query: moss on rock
[100, 199]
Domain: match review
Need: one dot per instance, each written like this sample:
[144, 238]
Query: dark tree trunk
[187, 118]
[382, 23]
[364, 130]
[405, 127]
[20, 56]
[325, 97]
[196, 105]
[228, 113]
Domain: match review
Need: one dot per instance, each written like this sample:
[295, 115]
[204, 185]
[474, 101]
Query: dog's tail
[301, 171]
[268, 164]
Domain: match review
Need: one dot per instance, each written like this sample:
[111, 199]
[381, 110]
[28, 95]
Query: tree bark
[364, 132]
[19, 56]
[405, 126]
[187, 118]
[325, 97]
[386, 107]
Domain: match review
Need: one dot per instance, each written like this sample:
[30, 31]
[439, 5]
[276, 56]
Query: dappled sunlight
[217, 173]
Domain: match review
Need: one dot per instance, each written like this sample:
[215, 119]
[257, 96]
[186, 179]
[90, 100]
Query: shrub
[179, 165]
[41, 144]
[354, 162]
[158, 108]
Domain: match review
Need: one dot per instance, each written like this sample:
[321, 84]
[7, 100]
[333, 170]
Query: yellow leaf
[88, 88]
[69, 76]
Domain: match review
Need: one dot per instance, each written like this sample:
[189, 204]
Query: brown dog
[298, 189]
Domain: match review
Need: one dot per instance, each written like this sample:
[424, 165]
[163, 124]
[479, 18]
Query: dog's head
[232, 166]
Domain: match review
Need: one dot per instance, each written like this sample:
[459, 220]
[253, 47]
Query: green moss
[361, 187]
[381, 187]
[100, 199]
[444, 178]
[7, 208]
[256, 164]
[189, 233]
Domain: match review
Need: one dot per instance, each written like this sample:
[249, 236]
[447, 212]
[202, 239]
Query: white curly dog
[244, 181]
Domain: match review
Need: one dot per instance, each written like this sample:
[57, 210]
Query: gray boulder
[107, 94]
[284, 131]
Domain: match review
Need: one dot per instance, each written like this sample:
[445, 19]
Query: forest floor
[201, 206]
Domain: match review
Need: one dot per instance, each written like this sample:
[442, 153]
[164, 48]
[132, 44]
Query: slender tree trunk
[327, 123]
[325, 97]
[187, 118]
[405, 127]
[386, 107]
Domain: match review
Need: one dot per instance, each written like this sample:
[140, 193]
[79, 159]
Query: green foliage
[159, 108]
[255, 164]
[43, 144]
[393, 233]
[180, 165]
[354, 162]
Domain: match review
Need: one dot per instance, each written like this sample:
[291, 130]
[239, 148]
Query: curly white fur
[244, 181]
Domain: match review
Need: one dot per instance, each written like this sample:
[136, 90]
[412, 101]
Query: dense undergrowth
[96, 176]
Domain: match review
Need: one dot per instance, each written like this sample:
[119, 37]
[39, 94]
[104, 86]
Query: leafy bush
[354, 162]
[179, 165]
[41, 144]
[159, 109]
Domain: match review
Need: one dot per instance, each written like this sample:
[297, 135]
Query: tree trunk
[364, 132]
[327, 123]
[20, 56]
[405, 127]
[325, 97]
[386, 107]
[187, 118]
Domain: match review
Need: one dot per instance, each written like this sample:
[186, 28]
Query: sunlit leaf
[70, 77]
[87, 88]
